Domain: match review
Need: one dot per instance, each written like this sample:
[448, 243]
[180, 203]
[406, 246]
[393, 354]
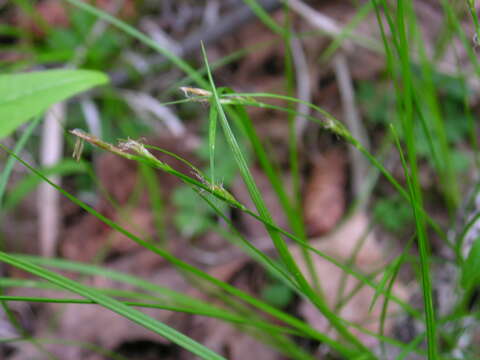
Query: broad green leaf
[25, 95]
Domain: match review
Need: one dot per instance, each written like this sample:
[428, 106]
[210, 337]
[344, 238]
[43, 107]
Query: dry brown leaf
[324, 195]
[340, 245]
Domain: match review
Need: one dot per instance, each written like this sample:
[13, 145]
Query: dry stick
[330, 26]
[91, 115]
[211, 13]
[51, 152]
[144, 104]
[161, 37]
[315, 18]
[354, 124]
[48, 198]
[303, 86]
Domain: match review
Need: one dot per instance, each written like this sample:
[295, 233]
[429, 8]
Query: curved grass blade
[288, 319]
[141, 37]
[277, 240]
[26, 185]
[114, 305]
[7, 170]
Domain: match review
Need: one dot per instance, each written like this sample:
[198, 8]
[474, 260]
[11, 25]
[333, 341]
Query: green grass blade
[265, 17]
[155, 199]
[288, 319]
[346, 31]
[7, 170]
[30, 182]
[141, 37]
[114, 305]
[213, 312]
[212, 134]
[279, 243]
[331, 124]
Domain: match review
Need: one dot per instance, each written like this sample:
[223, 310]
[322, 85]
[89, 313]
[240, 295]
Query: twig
[92, 117]
[144, 104]
[315, 18]
[303, 85]
[352, 119]
[211, 13]
[51, 152]
[157, 34]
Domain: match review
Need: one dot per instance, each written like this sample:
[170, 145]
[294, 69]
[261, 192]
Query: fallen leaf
[324, 195]
[341, 245]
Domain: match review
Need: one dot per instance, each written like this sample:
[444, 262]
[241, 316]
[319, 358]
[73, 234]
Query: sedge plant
[410, 68]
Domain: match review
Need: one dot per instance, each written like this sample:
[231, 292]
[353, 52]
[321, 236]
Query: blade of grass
[7, 170]
[26, 185]
[4, 177]
[405, 13]
[265, 17]
[180, 300]
[114, 305]
[141, 37]
[346, 31]
[265, 214]
[267, 164]
[213, 313]
[155, 199]
[187, 267]
[331, 124]
[212, 190]
[212, 133]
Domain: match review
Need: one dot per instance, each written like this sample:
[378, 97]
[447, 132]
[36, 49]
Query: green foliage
[22, 96]
[31, 181]
[470, 275]
[63, 43]
[420, 127]
[225, 168]
[377, 101]
[194, 217]
[112, 304]
[393, 213]
[276, 293]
